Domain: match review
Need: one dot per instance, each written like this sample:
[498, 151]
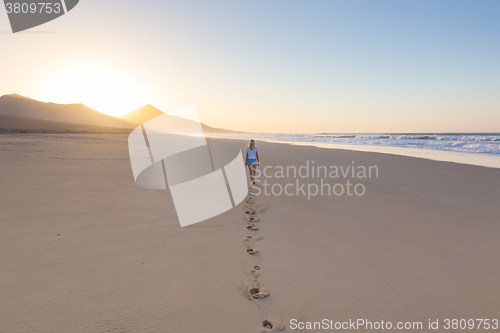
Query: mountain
[20, 106]
[148, 112]
[141, 115]
[18, 112]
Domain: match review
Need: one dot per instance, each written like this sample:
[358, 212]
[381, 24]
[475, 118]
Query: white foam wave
[466, 142]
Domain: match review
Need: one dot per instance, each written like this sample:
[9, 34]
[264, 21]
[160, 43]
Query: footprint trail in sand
[257, 292]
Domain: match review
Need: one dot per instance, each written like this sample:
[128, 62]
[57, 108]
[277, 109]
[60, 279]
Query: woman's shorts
[252, 161]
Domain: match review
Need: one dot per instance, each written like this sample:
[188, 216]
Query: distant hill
[20, 106]
[148, 112]
[141, 115]
[26, 113]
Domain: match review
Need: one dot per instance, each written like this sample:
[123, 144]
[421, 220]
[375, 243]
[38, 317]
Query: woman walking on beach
[252, 159]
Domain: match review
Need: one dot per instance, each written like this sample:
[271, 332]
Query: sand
[9, 123]
[83, 249]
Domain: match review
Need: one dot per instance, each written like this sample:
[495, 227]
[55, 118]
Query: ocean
[470, 148]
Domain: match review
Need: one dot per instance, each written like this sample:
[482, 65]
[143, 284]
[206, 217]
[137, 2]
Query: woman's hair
[251, 144]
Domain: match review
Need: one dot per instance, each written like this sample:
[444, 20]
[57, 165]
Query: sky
[271, 66]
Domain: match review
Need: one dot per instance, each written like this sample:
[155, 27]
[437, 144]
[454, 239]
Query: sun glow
[104, 89]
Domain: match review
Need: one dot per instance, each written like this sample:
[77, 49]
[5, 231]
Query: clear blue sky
[280, 65]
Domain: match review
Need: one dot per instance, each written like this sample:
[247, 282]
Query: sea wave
[461, 142]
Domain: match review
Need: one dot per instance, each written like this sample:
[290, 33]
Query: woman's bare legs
[254, 168]
[250, 171]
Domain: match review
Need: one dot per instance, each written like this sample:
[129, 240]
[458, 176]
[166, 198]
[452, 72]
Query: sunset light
[107, 90]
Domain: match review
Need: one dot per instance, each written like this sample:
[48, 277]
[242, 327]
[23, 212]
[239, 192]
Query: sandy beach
[83, 249]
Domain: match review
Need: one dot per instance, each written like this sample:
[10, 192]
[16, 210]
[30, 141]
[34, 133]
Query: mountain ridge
[22, 106]
[16, 105]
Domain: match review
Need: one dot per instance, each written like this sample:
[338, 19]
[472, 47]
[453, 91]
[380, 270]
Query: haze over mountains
[22, 113]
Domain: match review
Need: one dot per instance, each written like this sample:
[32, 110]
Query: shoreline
[477, 159]
[469, 158]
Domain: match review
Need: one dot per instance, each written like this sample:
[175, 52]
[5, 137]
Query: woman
[252, 159]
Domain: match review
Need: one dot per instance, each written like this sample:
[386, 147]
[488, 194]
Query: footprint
[252, 219]
[260, 238]
[250, 211]
[248, 238]
[252, 251]
[259, 293]
[272, 325]
[252, 227]
[255, 269]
